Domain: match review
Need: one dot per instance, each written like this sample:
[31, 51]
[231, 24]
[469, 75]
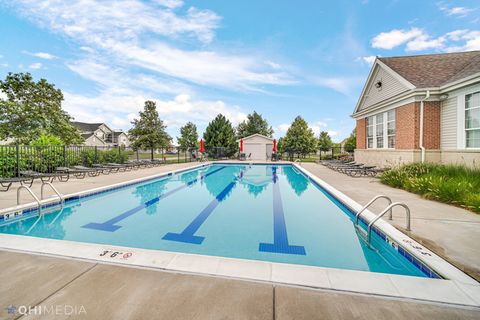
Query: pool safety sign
[115, 255]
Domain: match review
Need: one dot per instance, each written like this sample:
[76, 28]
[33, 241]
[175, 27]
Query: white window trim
[461, 132]
[464, 131]
[385, 131]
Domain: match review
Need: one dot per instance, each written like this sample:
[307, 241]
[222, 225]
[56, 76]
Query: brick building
[420, 108]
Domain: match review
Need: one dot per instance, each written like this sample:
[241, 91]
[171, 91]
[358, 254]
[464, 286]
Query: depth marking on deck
[110, 225]
[188, 234]
[280, 238]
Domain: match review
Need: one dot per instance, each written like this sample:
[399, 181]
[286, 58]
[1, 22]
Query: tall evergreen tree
[32, 109]
[324, 141]
[300, 138]
[220, 133]
[255, 123]
[188, 137]
[148, 130]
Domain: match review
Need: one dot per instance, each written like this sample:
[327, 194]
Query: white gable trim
[255, 135]
[382, 65]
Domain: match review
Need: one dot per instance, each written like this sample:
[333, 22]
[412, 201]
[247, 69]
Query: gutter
[421, 124]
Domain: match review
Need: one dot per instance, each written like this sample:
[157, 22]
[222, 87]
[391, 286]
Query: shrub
[452, 184]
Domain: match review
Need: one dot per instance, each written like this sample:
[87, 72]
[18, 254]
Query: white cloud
[273, 64]
[36, 65]
[133, 34]
[424, 42]
[394, 38]
[455, 11]
[344, 85]
[41, 55]
[369, 60]
[119, 110]
[457, 40]
[317, 127]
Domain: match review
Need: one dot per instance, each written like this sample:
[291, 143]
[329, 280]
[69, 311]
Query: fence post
[65, 155]
[17, 161]
[96, 154]
[137, 154]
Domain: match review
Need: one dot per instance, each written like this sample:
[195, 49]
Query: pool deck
[102, 291]
[111, 291]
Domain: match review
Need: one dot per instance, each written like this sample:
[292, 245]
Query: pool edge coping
[370, 283]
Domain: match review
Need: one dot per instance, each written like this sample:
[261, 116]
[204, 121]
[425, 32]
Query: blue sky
[199, 58]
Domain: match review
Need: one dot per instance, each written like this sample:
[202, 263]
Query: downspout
[421, 125]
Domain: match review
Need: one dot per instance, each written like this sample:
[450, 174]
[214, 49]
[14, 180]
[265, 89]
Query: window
[472, 120]
[391, 129]
[370, 132]
[381, 130]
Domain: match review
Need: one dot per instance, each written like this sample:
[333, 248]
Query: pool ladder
[388, 209]
[38, 201]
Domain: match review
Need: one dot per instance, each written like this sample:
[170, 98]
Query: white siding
[448, 124]
[390, 88]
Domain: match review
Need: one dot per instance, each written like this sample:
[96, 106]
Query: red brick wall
[431, 125]
[408, 126]
[361, 134]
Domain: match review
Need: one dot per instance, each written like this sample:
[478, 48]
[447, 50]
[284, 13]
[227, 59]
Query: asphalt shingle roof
[434, 70]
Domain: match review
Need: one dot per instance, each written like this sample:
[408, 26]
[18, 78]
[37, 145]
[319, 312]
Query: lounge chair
[77, 173]
[92, 172]
[6, 183]
[45, 177]
[104, 168]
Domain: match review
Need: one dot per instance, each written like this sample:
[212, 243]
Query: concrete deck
[113, 292]
[452, 233]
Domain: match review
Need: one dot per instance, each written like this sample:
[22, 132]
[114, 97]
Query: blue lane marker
[280, 239]
[110, 225]
[188, 234]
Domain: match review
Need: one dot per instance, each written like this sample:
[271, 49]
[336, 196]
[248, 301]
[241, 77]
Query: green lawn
[451, 184]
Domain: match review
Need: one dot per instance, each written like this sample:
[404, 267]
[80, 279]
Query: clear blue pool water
[263, 212]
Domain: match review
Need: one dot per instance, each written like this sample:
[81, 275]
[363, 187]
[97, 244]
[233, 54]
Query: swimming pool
[261, 212]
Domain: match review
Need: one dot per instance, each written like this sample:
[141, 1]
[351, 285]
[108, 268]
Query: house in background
[99, 134]
[420, 108]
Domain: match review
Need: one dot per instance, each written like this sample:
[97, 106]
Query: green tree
[281, 145]
[351, 142]
[255, 123]
[299, 139]
[32, 109]
[324, 141]
[148, 131]
[46, 140]
[188, 137]
[220, 133]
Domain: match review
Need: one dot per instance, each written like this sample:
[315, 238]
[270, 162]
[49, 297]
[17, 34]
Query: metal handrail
[407, 211]
[32, 194]
[380, 196]
[62, 199]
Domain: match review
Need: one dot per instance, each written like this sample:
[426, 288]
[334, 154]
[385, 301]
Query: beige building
[420, 108]
[258, 147]
[99, 134]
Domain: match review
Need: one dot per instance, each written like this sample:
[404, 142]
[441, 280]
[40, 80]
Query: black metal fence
[17, 158]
